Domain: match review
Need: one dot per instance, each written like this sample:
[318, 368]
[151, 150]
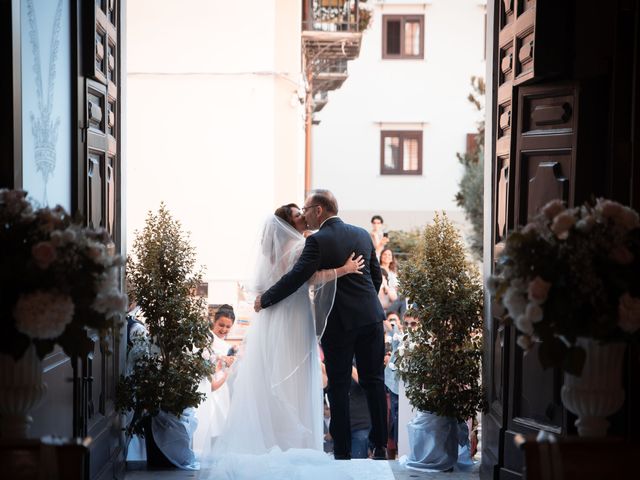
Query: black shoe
[344, 456]
[379, 453]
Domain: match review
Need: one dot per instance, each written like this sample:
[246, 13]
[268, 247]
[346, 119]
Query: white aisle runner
[296, 465]
[365, 469]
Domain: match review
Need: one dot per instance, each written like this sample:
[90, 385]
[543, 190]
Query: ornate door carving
[99, 194]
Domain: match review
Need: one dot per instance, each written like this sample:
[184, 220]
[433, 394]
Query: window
[401, 153]
[403, 36]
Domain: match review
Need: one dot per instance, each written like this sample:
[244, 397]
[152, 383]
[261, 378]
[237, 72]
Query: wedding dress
[274, 428]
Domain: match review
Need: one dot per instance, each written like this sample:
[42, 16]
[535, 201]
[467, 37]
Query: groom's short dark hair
[325, 199]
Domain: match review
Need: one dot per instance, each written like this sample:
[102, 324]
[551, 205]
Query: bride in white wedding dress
[275, 422]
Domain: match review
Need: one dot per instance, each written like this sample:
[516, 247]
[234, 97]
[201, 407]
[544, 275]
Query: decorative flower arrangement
[58, 279]
[572, 273]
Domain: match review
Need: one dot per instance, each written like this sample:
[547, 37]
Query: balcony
[329, 73]
[320, 99]
[331, 29]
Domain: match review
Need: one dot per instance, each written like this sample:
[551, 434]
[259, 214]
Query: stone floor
[137, 471]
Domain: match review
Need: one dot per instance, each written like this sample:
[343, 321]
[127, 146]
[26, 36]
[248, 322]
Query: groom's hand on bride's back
[257, 304]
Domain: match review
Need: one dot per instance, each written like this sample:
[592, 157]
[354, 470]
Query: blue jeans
[393, 420]
[360, 443]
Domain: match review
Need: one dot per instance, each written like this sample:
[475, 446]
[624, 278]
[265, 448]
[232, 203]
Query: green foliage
[440, 360]
[471, 194]
[403, 242]
[163, 282]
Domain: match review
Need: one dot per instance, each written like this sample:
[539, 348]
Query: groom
[354, 326]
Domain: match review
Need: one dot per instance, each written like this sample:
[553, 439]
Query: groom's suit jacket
[356, 303]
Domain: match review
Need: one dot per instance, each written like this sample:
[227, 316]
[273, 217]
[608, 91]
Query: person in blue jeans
[391, 378]
[360, 418]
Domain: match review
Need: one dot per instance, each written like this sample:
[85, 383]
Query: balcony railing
[331, 16]
[329, 73]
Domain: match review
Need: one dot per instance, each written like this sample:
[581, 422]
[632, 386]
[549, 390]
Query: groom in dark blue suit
[354, 326]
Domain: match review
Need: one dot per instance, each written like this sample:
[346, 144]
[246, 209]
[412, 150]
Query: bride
[276, 404]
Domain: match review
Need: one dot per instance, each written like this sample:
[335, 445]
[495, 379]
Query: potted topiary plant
[440, 359]
[161, 384]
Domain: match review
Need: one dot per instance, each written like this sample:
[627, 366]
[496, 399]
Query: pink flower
[553, 208]
[538, 290]
[562, 223]
[44, 254]
[629, 313]
[534, 313]
[525, 342]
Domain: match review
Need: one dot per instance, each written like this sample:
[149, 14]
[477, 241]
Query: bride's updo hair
[285, 212]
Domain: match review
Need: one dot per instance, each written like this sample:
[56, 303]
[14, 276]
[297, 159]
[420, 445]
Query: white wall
[395, 94]
[214, 129]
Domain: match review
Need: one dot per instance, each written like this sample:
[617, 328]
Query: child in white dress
[212, 413]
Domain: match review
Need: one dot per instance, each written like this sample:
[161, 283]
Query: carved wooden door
[100, 191]
[533, 162]
[564, 119]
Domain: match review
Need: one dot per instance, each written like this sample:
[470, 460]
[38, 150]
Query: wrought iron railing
[331, 15]
[330, 65]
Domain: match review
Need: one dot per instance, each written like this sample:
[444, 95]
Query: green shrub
[440, 360]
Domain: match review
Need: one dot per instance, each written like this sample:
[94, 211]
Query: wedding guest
[392, 326]
[387, 294]
[378, 236]
[410, 322]
[388, 263]
[360, 418]
[212, 413]
[391, 383]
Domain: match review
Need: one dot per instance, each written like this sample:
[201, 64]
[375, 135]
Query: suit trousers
[366, 343]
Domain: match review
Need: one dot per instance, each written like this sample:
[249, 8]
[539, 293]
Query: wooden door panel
[53, 416]
[537, 401]
[545, 178]
[101, 68]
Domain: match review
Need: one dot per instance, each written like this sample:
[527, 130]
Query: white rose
[525, 342]
[44, 254]
[562, 223]
[629, 313]
[534, 313]
[553, 208]
[110, 303]
[43, 314]
[585, 224]
[515, 302]
[98, 253]
[69, 235]
[538, 290]
[524, 325]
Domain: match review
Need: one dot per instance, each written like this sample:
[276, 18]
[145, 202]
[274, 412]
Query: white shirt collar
[335, 216]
